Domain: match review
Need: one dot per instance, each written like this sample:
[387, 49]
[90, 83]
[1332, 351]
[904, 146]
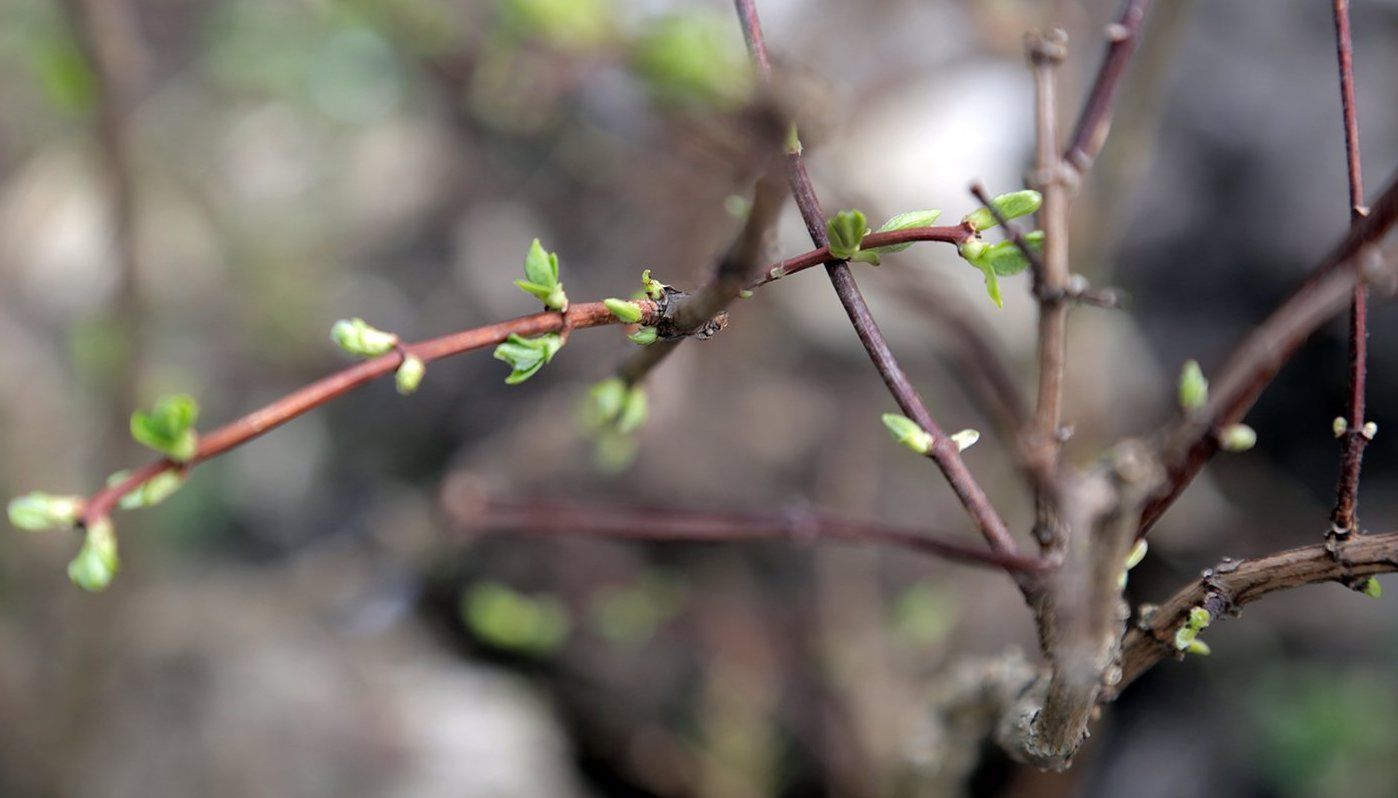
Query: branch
[1262, 352]
[1095, 121]
[1343, 519]
[1227, 588]
[469, 509]
[944, 451]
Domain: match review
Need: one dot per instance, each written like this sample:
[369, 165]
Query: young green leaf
[1194, 389]
[845, 230]
[169, 427]
[541, 278]
[358, 338]
[1199, 618]
[627, 312]
[978, 254]
[904, 221]
[37, 511]
[1011, 206]
[409, 374]
[653, 288]
[149, 493]
[1372, 588]
[907, 432]
[527, 355]
[1198, 647]
[97, 562]
[644, 336]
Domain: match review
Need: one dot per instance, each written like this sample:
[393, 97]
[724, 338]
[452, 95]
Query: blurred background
[192, 192]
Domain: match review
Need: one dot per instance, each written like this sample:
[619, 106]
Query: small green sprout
[965, 439]
[361, 340]
[1011, 206]
[510, 620]
[1138, 553]
[907, 432]
[979, 254]
[149, 493]
[627, 312]
[644, 336]
[409, 374]
[541, 278]
[652, 287]
[793, 140]
[527, 355]
[845, 230]
[1237, 438]
[1186, 637]
[1372, 588]
[96, 563]
[1194, 388]
[169, 427]
[1339, 426]
[38, 511]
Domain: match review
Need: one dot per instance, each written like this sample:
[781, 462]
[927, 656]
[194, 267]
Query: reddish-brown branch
[1096, 118]
[1267, 347]
[817, 257]
[944, 452]
[473, 511]
[1344, 519]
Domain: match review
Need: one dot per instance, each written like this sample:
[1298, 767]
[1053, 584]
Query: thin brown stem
[555, 518]
[1095, 121]
[1344, 519]
[944, 452]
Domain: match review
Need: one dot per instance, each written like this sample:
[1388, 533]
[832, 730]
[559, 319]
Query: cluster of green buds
[911, 435]
[168, 427]
[361, 339]
[527, 355]
[1005, 258]
[1187, 636]
[96, 563]
[1341, 425]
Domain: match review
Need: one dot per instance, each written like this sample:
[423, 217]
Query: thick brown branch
[469, 509]
[1225, 589]
[1344, 519]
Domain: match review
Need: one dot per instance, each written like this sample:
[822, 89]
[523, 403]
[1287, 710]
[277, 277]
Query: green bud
[1372, 588]
[845, 230]
[793, 140]
[627, 312]
[541, 278]
[634, 411]
[527, 355]
[1194, 389]
[409, 374]
[358, 338]
[1138, 553]
[907, 432]
[1198, 647]
[1010, 206]
[979, 255]
[506, 619]
[1369, 430]
[1184, 636]
[1199, 618]
[169, 427]
[149, 493]
[644, 336]
[97, 562]
[965, 439]
[37, 511]
[1339, 426]
[745, 294]
[653, 288]
[1237, 438]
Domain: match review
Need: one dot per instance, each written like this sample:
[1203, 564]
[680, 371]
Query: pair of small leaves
[149, 493]
[1186, 637]
[527, 355]
[845, 232]
[541, 278]
[169, 427]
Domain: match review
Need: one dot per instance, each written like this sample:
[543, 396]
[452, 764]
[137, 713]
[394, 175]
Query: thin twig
[1096, 118]
[1344, 519]
[944, 452]
[469, 509]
